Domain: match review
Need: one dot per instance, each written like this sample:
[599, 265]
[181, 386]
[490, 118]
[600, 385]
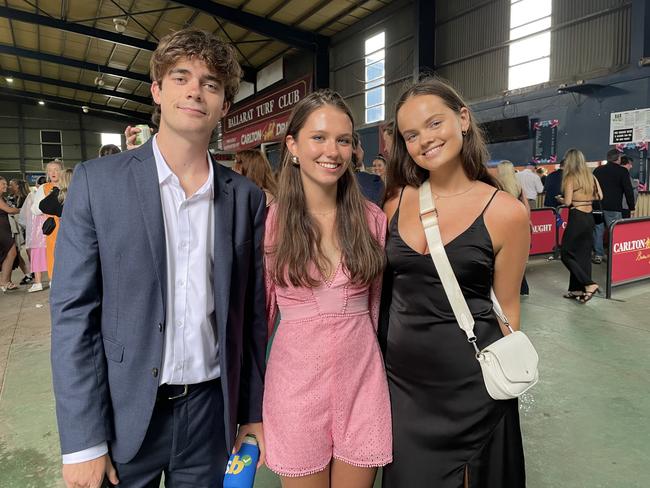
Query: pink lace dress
[326, 394]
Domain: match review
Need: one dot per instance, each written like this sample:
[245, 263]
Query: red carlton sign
[264, 119]
[629, 251]
[542, 239]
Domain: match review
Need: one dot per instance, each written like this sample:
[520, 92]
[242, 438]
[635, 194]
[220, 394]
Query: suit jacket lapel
[148, 192]
[223, 247]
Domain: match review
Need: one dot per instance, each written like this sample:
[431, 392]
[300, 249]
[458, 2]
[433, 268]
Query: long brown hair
[402, 170]
[257, 168]
[296, 243]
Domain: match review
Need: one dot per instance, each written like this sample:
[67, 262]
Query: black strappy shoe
[588, 295]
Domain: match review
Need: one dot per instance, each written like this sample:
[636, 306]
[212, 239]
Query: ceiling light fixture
[120, 24]
[9, 79]
[85, 108]
[99, 81]
[41, 102]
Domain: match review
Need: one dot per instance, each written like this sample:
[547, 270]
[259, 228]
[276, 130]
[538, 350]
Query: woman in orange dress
[53, 170]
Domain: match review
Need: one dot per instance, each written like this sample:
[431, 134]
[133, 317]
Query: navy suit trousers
[186, 441]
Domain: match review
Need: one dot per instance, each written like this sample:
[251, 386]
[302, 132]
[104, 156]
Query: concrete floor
[586, 424]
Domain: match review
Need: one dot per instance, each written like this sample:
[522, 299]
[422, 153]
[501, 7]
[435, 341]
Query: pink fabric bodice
[337, 297]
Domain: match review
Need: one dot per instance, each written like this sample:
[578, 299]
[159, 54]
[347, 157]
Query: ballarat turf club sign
[264, 119]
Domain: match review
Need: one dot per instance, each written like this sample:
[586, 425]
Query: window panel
[536, 26]
[374, 83]
[375, 96]
[529, 74]
[375, 43]
[375, 57]
[532, 48]
[374, 114]
[108, 138]
[375, 71]
[528, 10]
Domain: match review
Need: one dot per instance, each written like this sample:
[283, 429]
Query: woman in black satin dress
[448, 432]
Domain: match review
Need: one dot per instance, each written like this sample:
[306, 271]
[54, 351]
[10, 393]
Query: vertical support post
[640, 42]
[82, 138]
[21, 142]
[425, 37]
[322, 64]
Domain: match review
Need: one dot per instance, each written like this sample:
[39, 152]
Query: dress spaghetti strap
[490, 201]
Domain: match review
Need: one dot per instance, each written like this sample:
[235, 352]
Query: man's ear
[225, 108]
[155, 92]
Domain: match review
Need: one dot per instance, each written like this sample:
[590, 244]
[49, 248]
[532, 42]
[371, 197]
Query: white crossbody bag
[509, 365]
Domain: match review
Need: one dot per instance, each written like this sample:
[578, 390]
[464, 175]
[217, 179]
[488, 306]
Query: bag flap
[516, 356]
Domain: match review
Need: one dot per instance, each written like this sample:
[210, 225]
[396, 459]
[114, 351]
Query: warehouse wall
[347, 63]
[20, 143]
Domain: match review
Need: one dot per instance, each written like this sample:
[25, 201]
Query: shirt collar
[164, 172]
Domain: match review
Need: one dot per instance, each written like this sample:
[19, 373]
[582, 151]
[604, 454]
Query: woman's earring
[294, 161]
[464, 133]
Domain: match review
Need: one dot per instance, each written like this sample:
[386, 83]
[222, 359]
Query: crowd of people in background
[29, 222]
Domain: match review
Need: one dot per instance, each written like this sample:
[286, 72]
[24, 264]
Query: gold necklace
[322, 214]
[454, 194]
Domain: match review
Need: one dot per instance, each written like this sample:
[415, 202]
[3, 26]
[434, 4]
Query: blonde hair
[575, 170]
[64, 183]
[508, 178]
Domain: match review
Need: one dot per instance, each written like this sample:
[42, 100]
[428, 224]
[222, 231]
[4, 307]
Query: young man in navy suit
[158, 308]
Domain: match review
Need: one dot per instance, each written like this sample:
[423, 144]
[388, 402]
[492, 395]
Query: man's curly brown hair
[219, 56]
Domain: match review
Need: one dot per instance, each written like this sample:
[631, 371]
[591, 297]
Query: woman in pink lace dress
[326, 405]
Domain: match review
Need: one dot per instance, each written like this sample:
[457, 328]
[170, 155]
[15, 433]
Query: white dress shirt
[531, 184]
[191, 351]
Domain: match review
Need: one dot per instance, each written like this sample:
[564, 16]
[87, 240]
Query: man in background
[553, 187]
[372, 186]
[615, 182]
[530, 183]
[626, 162]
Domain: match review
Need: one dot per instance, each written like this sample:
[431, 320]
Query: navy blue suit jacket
[371, 186]
[108, 302]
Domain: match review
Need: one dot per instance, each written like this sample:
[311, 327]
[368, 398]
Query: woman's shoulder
[505, 209]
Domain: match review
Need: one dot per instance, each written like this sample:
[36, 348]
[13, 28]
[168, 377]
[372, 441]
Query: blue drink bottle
[241, 468]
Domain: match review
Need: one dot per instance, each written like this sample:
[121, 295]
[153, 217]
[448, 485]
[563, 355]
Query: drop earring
[464, 133]
[295, 161]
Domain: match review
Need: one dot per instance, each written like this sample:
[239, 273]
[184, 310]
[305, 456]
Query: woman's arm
[38, 196]
[599, 190]
[50, 205]
[508, 225]
[8, 208]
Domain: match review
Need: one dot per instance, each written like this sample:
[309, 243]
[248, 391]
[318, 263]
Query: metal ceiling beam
[76, 86]
[250, 74]
[84, 30]
[131, 114]
[277, 30]
[75, 63]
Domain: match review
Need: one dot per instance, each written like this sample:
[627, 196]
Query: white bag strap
[429, 218]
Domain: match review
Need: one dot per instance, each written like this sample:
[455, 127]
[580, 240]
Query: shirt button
[183, 245]
[160, 327]
[154, 372]
[179, 323]
[181, 283]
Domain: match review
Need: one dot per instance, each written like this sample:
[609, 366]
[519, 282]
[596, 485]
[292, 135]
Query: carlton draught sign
[543, 232]
[265, 118]
[629, 258]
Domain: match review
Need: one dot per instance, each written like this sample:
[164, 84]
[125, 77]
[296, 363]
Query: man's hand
[257, 430]
[90, 474]
[131, 133]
